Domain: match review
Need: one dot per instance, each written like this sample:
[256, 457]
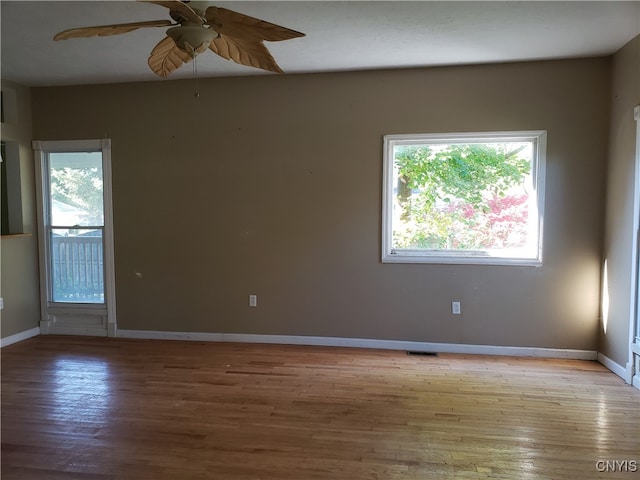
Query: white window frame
[442, 256]
[70, 318]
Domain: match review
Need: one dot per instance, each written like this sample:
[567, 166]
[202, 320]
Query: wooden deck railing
[77, 269]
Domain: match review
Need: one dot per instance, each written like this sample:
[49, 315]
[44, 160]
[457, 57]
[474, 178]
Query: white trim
[361, 343]
[112, 329]
[619, 370]
[79, 331]
[49, 308]
[63, 146]
[44, 327]
[18, 337]
[634, 314]
[109, 248]
[41, 194]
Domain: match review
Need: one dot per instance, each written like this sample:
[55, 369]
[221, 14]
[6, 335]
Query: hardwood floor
[83, 408]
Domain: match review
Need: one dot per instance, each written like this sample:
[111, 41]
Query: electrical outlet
[253, 300]
[455, 308]
[1, 303]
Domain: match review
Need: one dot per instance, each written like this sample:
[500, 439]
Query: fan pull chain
[196, 94]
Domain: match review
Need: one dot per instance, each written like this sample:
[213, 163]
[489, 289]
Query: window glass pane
[76, 189]
[462, 196]
[77, 270]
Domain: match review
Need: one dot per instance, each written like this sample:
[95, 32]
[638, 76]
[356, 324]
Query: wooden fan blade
[245, 52]
[167, 57]
[242, 26]
[179, 10]
[106, 30]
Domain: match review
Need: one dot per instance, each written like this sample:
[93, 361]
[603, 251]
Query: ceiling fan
[199, 26]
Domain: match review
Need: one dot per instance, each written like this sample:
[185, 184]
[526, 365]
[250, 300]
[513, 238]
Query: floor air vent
[424, 354]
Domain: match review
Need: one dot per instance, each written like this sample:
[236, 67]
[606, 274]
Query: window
[76, 225]
[471, 198]
[76, 237]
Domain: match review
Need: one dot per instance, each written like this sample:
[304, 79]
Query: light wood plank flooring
[96, 409]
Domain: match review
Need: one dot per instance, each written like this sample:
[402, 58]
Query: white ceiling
[340, 36]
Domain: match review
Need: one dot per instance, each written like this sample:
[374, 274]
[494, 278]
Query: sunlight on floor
[81, 390]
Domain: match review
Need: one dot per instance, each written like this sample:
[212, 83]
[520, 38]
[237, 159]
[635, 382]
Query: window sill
[461, 260]
[17, 235]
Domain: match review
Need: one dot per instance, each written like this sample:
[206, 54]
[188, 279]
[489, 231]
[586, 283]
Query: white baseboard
[619, 370]
[363, 343]
[18, 337]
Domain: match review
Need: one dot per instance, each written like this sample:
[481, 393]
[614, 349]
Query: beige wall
[19, 284]
[271, 185]
[625, 95]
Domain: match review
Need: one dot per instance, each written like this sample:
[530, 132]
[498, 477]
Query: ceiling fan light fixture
[200, 26]
[192, 39]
